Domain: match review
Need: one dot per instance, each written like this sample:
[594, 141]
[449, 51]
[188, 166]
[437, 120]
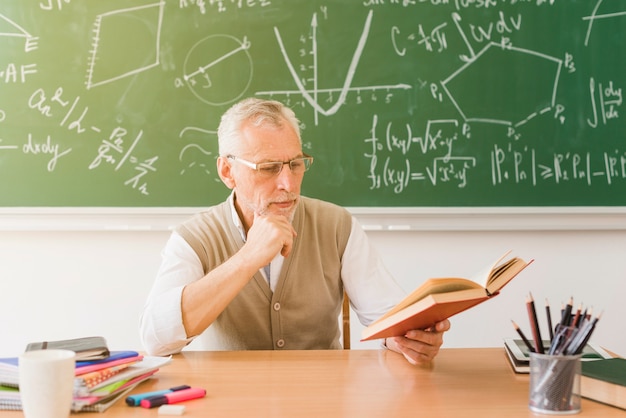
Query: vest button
[280, 343]
[277, 306]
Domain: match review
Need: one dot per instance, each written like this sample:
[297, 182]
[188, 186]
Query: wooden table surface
[475, 382]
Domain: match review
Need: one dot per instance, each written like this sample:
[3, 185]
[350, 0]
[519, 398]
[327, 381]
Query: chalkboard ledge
[372, 219]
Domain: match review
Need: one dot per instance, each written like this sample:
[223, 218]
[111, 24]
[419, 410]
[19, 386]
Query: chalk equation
[71, 114]
[404, 103]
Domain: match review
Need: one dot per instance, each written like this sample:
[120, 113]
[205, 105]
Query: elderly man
[267, 268]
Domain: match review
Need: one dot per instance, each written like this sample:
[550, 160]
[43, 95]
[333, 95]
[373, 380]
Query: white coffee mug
[46, 383]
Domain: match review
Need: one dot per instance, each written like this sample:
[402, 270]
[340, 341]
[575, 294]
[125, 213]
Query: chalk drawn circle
[218, 69]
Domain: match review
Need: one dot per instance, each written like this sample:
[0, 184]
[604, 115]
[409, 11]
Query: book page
[504, 273]
[485, 276]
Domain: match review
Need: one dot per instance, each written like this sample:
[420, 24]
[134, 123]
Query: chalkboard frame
[373, 220]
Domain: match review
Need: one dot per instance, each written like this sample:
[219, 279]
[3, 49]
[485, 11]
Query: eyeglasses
[272, 168]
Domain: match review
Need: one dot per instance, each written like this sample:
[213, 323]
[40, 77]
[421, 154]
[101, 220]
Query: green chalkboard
[403, 103]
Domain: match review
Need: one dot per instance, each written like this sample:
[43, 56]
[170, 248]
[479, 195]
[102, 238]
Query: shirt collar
[235, 215]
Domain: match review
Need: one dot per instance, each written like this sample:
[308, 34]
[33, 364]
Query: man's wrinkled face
[261, 192]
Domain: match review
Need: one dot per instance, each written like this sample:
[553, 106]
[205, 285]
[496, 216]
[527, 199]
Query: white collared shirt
[370, 287]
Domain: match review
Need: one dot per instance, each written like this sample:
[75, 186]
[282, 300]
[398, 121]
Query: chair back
[346, 321]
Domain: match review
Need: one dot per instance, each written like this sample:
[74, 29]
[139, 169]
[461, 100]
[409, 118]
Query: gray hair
[257, 112]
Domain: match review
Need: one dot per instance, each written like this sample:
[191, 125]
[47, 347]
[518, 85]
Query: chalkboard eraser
[399, 227]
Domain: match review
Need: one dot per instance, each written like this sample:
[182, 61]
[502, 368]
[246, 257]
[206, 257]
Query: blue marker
[135, 400]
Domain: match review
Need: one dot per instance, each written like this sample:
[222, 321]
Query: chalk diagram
[195, 157]
[8, 28]
[138, 26]
[598, 16]
[517, 97]
[218, 69]
[312, 95]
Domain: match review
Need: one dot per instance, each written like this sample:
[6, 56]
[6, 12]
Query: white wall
[77, 278]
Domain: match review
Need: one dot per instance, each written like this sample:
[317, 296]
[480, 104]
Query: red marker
[173, 397]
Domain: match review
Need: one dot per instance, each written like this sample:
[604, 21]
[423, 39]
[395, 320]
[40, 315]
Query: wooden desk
[346, 383]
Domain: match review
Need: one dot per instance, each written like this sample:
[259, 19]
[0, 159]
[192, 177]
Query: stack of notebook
[519, 355]
[98, 384]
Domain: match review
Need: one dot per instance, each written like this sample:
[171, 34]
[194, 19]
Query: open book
[440, 298]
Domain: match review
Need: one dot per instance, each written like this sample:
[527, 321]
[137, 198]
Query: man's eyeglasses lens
[269, 169]
[297, 166]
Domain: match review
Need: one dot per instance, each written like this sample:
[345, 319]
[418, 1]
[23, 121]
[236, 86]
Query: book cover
[440, 298]
[109, 389]
[134, 369]
[10, 398]
[519, 366]
[113, 355]
[519, 355]
[86, 382]
[86, 348]
[9, 371]
[591, 351]
[82, 369]
[604, 381]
